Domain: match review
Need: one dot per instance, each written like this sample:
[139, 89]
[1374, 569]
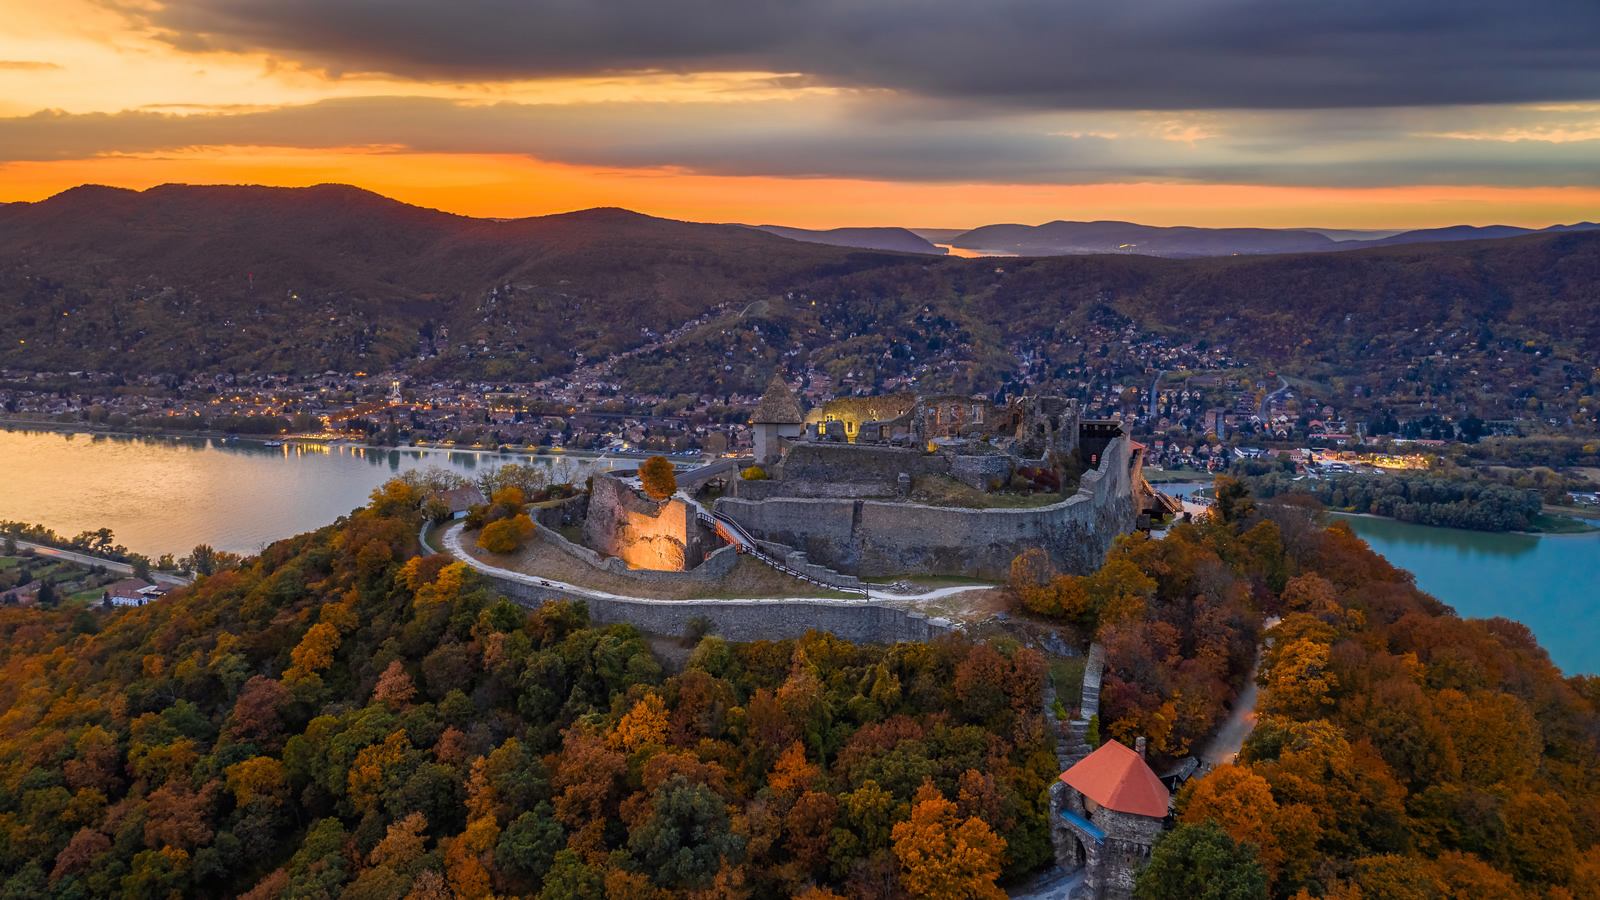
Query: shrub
[754, 473]
[505, 535]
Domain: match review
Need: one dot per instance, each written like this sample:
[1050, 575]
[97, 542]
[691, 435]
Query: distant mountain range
[1074, 238]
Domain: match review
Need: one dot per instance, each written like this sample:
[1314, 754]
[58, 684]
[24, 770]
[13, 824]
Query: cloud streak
[1052, 54]
[866, 137]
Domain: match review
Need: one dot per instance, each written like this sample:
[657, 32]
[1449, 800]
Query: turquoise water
[1550, 583]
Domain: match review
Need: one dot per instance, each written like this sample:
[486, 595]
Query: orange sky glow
[513, 186]
[68, 67]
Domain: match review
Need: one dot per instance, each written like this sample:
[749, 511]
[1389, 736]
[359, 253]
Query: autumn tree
[506, 535]
[658, 477]
[944, 857]
[394, 688]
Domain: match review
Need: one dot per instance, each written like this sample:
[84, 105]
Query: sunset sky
[823, 113]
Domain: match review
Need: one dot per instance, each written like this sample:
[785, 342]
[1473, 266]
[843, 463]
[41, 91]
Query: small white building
[133, 592]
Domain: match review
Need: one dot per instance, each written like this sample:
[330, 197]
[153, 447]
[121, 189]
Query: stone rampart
[871, 538]
[860, 622]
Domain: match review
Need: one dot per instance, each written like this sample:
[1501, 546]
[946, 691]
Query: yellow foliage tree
[464, 861]
[1241, 802]
[402, 844]
[647, 723]
[944, 858]
[366, 777]
[258, 778]
[510, 496]
[314, 653]
[505, 535]
[1298, 684]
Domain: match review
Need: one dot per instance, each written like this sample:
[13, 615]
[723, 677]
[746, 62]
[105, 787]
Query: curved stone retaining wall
[860, 622]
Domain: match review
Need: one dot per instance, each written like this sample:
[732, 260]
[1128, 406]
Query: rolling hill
[898, 240]
[1071, 238]
[181, 279]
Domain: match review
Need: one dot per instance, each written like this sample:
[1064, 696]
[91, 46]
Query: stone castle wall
[860, 622]
[644, 533]
[872, 538]
[823, 469]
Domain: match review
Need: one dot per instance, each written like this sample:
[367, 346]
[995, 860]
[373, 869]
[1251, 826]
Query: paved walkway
[120, 568]
[1225, 747]
[452, 546]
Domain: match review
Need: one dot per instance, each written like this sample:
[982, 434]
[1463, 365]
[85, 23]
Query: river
[165, 495]
[1550, 583]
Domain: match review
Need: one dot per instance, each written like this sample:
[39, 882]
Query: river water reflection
[163, 495]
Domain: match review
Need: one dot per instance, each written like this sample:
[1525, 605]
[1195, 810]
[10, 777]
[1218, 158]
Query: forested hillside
[341, 718]
[1401, 752]
[189, 279]
[338, 717]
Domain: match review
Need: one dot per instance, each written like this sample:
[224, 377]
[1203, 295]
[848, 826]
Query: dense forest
[1402, 752]
[339, 717]
[1425, 499]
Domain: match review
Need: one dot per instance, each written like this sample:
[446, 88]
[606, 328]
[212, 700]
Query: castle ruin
[902, 484]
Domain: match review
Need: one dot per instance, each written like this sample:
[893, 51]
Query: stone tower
[778, 416]
[1106, 812]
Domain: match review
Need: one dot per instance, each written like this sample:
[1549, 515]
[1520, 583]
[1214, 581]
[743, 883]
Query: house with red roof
[1106, 812]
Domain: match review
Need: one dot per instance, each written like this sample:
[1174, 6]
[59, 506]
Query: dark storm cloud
[1063, 54]
[885, 138]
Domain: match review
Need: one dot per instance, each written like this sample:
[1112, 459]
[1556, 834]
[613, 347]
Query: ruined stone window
[977, 414]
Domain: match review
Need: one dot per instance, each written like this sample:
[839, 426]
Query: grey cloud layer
[1062, 54]
[879, 138]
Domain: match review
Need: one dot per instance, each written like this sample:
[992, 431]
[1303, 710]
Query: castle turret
[777, 416]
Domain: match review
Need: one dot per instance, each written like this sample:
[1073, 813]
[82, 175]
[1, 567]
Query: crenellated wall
[872, 538]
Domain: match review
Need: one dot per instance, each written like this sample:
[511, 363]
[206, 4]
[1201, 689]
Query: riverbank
[90, 430]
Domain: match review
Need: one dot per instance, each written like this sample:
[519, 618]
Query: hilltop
[898, 240]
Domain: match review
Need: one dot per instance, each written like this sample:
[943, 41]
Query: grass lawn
[1546, 524]
[435, 534]
[942, 490]
[1172, 476]
[1067, 676]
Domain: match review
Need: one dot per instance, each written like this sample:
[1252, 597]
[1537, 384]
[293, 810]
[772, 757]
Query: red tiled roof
[1117, 778]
